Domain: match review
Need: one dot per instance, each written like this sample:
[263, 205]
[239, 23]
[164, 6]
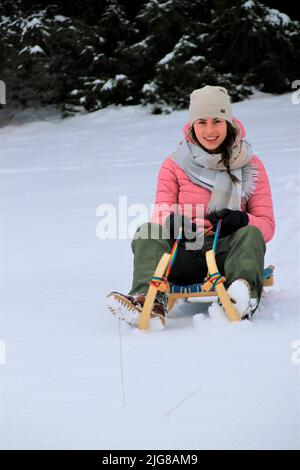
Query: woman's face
[211, 132]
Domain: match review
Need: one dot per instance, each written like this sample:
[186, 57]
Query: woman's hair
[225, 148]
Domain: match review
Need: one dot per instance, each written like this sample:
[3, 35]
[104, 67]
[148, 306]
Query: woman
[213, 169]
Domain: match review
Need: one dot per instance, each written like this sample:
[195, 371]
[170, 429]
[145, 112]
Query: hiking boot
[129, 307]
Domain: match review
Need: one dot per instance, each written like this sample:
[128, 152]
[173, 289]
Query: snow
[74, 376]
[30, 23]
[34, 23]
[273, 16]
[112, 82]
[33, 50]
[183, 43]
[60, 18]
[109, 84]
[140, 45]
[277, 18]
[149, 87]
[249, 4]
[195, 59]
[167, 58]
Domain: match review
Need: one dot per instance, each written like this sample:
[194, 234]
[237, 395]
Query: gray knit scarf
[204, 169]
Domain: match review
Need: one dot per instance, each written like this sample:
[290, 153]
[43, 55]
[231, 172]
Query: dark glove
[231, 220]
[175, 221]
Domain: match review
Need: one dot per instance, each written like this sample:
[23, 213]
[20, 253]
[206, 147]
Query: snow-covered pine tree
[186, 58]
[261, 46]
[92, 53]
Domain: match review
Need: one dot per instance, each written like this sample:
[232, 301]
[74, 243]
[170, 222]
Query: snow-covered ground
[77, 378]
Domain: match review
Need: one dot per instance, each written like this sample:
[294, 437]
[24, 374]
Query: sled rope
[210, 282]
[174, 252]
[162, 284]
[217, 235]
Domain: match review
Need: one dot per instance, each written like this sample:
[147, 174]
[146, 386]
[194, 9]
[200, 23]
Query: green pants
[240, 255]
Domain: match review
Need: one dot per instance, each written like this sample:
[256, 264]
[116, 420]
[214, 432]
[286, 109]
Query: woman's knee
[149, 230]
[148, 236]
[250, 232]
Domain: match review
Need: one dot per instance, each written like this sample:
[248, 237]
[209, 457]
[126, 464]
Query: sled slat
[151, 294]
[220, 289]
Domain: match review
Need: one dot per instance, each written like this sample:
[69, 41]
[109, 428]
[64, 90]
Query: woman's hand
[231, 220]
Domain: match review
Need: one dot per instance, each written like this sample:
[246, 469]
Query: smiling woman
[210, 133]
[211, 124]
[212, 167]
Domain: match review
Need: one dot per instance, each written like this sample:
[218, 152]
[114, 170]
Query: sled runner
[212, 286]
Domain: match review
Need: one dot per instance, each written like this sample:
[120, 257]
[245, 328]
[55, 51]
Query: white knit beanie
[210, 101]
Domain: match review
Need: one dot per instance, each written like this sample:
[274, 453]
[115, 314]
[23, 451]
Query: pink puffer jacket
[175, 187]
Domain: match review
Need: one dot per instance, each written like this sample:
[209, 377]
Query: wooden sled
[205, 289]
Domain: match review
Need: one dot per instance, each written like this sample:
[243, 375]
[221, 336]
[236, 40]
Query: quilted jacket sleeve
[166, 197]
[260, 204]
